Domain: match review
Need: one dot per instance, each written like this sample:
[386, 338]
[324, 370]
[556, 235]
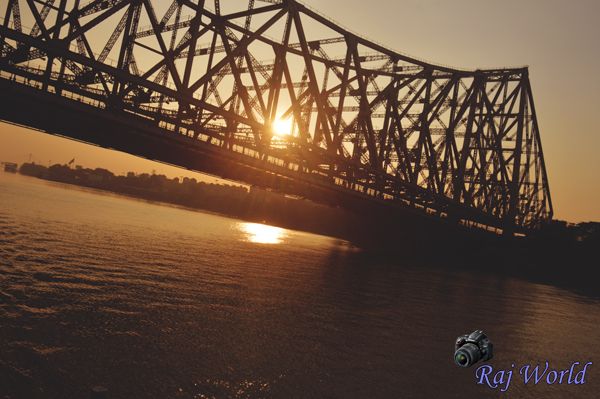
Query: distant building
[10, 167]
[32, 169]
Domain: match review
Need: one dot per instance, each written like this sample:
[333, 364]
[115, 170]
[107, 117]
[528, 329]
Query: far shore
[561, 254]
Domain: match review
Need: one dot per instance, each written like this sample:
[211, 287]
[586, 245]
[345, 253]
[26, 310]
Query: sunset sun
[282, 127]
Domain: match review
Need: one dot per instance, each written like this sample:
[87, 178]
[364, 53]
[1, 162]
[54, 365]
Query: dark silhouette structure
[330, 116]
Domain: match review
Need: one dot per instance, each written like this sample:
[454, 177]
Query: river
[155, 301]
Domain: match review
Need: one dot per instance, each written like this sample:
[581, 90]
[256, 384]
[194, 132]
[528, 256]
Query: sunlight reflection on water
[262, 234]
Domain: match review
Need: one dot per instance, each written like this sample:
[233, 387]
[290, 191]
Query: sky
[558, 40]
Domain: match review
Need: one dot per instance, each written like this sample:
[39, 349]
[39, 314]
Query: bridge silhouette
[273, 94]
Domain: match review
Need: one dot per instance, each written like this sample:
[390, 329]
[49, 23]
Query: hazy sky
[558, 40]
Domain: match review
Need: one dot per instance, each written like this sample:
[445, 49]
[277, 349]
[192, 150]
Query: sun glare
[263, 234]
[282, 127]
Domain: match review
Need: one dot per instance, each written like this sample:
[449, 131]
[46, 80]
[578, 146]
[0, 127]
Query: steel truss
[458, 144]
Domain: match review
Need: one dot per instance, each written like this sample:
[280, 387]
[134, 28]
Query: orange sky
[556, 39]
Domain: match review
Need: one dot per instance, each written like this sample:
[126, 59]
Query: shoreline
[550, 258]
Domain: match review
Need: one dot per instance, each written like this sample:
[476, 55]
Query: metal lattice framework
[458, 144]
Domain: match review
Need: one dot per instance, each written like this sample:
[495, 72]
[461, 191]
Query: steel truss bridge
[274, 94]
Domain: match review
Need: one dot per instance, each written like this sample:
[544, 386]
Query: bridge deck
[123, 132]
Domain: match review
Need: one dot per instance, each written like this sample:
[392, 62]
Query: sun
[282, 127]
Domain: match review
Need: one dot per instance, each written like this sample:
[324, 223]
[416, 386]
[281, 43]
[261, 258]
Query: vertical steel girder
[458, 144]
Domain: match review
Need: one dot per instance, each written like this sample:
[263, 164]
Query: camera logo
[471, 348]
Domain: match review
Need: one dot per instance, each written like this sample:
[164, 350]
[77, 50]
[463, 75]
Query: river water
[154, 301]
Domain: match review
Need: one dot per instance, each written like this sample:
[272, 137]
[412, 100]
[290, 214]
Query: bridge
[272, 93]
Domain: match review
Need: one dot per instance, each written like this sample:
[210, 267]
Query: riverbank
[251, 204]
[558, 239]
[562, 254]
